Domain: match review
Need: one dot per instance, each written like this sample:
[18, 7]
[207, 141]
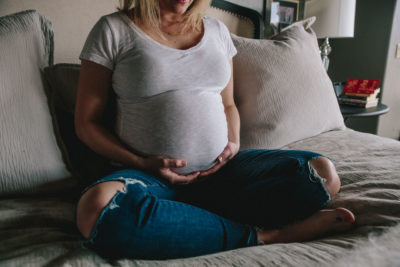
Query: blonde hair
[147, 12]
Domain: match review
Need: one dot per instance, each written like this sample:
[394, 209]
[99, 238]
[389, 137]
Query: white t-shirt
[168, 100]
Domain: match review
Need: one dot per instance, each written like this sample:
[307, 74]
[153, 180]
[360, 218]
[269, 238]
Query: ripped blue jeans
[152, 219]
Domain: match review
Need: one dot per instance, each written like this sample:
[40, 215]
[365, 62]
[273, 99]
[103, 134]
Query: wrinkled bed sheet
[42, 232]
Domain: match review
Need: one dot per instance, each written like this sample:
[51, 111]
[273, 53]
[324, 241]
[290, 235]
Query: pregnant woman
[184, 188]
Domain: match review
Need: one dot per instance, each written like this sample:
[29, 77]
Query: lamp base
[325, 49]
[325, 62]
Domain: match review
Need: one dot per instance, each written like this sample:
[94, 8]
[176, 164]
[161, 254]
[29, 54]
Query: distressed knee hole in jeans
[313, 174]
[113, 202]
[133, 181]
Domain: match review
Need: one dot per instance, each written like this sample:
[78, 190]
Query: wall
[72, 20]
[389, 125]
[66, 18]
[364, 56]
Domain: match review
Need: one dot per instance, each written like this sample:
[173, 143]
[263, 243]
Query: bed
[40, 181]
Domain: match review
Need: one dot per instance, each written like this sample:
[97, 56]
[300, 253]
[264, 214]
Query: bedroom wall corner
[389, 125]
[365, 55]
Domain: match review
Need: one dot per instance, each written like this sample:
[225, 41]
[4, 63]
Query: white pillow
[282, 90]
[30, 160]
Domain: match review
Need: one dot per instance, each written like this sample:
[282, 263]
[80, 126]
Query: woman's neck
[172, 12]
[170, 18]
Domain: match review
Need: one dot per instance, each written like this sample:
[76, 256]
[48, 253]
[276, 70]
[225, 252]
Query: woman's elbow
[80, 128]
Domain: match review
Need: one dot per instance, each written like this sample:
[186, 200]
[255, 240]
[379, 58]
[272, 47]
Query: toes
[345, 215]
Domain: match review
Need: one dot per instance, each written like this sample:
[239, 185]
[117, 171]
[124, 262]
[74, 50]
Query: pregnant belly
[177, 124]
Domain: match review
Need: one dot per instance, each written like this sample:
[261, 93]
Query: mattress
[41, 231]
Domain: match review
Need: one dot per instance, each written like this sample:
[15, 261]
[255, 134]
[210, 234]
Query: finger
[215, 168]
[227, 153]
[173, 163]
[224, 155]
[206, 172]
[183, 179]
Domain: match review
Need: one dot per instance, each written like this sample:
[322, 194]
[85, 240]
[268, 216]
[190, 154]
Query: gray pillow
[282, 90]
[88, 166]
[62, 82]
[30, 159]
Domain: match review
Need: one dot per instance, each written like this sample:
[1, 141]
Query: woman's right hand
[162, 167]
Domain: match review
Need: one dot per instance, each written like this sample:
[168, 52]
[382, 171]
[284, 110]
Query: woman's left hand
[229, 152]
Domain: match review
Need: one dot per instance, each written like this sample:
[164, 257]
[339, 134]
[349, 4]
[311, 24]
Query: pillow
[62, 81]
[30, 159]
[86, 165]
[282, 90]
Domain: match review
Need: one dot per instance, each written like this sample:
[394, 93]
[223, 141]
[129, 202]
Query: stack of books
[360, 93]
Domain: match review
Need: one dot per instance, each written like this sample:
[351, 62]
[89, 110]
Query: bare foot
[319, 224]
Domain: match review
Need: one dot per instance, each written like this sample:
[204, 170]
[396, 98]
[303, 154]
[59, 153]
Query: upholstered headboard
[72, 20]
[240, 20]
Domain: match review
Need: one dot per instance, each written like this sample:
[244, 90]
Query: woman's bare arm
[93, 89]
[231, 112]
[233, 120]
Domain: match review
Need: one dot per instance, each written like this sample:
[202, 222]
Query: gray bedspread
[42, 232]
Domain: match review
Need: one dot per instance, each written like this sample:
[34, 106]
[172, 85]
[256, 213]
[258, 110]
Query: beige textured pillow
[30, 159]
[282, 90]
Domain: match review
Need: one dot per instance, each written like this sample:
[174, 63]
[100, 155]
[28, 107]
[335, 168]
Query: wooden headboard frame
[245, 12]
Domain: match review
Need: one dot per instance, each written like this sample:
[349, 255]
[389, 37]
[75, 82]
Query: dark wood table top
[349, 111]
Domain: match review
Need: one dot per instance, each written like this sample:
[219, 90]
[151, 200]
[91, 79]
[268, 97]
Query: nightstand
[349, 111]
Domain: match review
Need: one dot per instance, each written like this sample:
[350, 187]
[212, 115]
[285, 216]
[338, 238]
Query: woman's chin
[181, 6]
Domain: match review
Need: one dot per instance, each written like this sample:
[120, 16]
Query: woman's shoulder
[116, 23]
[114, 18]
[216, 24]
[213, 21]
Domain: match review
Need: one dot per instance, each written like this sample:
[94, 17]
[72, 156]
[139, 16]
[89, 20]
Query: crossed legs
[94, 201]
[322, 222]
